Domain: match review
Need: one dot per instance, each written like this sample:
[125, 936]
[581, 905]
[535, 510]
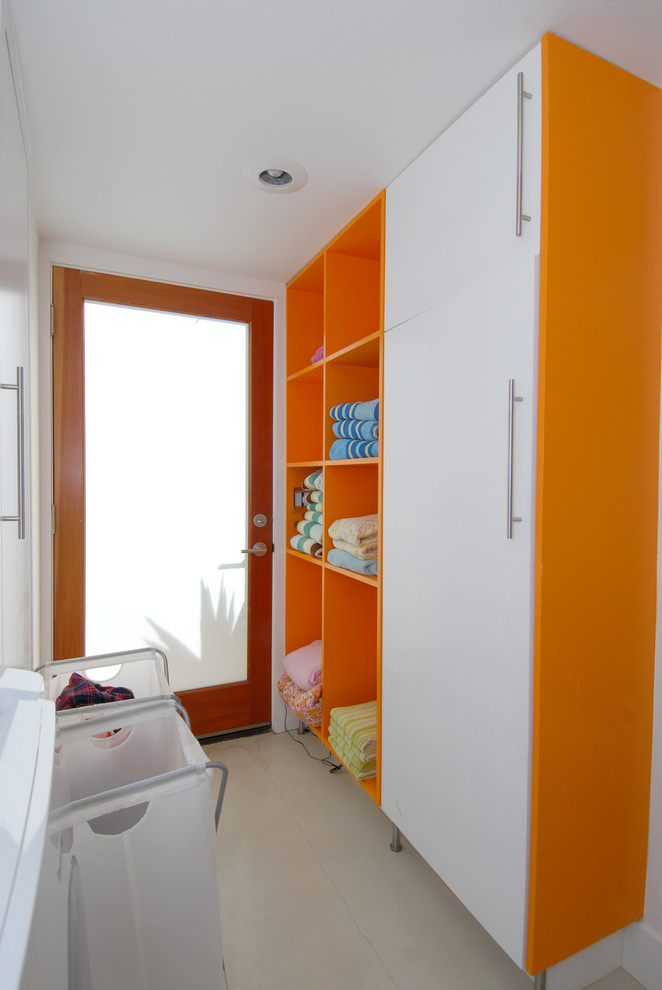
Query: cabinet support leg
[396, 845]
[540, 980]
[301, 728]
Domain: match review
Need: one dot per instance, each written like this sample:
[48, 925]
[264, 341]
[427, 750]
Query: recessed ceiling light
[276, 175]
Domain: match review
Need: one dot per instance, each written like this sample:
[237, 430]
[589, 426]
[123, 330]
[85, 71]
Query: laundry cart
[128, 895]
[144, 672]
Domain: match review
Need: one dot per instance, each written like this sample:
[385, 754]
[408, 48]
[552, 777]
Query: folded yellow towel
[367, 551]
[355, 528]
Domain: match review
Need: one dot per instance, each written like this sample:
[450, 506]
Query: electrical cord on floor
[326, 760]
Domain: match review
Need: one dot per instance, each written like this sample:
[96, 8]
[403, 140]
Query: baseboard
[642, 955]
[586, 967]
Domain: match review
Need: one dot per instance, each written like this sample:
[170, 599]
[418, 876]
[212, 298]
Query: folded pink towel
[304, 666]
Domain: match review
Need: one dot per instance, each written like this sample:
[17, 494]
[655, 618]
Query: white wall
[76, 257]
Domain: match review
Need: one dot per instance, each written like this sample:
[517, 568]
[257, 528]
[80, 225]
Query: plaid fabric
[80, 692]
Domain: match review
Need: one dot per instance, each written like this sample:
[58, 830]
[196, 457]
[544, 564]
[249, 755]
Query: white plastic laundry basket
[144, 672]
[128, 891]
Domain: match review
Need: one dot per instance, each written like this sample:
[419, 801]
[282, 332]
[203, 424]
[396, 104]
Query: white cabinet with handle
[455, 209]
[520, 421]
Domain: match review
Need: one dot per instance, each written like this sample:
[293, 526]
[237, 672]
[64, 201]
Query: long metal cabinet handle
[20, 418]
[521, 96]
[512, 399]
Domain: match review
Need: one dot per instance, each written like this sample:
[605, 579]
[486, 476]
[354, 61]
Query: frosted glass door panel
[457, 604]
[166, 490]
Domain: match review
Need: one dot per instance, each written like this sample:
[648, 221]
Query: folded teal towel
[314, 530]
[314, 481]
[316, 517]
[304, 544]
[357, 429]
[343, 449]
[314, 498]
[356, 410]
[340, 558]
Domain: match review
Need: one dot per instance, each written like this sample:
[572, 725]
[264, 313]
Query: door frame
[216, 709]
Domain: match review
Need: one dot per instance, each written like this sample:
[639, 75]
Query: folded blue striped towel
[356, 410]
[311, 516]
[343, 449]
[357, 429]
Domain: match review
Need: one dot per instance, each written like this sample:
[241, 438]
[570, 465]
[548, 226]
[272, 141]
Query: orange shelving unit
[336, 302]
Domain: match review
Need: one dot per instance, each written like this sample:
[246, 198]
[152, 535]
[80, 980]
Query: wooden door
[214, 708]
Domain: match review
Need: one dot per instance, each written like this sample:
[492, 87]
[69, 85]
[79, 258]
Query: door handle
[20, 415]
[259, 549]
[521, 96]
[512, 399]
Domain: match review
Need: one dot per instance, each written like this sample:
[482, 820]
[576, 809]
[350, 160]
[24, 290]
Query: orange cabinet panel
[336, 302]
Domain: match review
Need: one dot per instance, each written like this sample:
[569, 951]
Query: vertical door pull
[521, 96]
[20, 419]
[512, 399]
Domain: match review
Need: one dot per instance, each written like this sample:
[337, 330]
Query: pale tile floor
[312, 898]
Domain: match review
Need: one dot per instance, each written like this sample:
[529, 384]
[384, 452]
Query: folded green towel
[312, 529]
[305, 545]
[357, 724]
[357, 767]
[314, 481]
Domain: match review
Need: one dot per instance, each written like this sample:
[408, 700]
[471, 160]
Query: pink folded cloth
[318, 355]
[304, 666]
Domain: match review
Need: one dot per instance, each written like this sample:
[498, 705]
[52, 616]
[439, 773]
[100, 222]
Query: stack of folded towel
[310, 532]
[355, 542]
[353, 736]
[300, 685]
[356, 425]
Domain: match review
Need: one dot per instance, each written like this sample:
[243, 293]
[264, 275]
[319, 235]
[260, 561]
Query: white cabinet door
[15, 567]
[452, 212]
[457, 599]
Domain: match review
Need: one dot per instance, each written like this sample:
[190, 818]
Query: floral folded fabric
[306, 705]
[355, 529]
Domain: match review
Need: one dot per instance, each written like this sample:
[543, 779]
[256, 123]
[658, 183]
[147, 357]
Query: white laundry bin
[128, 892]
[144, 672]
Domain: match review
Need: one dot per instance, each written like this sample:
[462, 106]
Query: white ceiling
[143, 115]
